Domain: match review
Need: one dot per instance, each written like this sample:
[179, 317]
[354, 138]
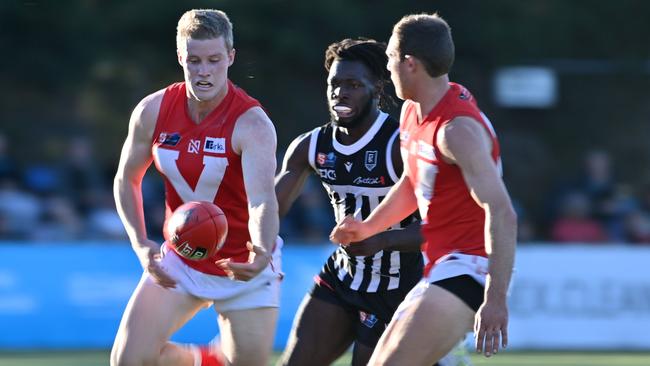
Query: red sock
[209, 358]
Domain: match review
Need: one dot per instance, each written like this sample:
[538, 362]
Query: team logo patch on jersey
[215, 145]
[326, 160]
[169, 139]
[369, 320]
[371, 160]
[426, 151]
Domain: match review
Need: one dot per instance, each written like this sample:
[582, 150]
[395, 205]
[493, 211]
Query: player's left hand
[258, 259]
[491, 327]
[366, 247]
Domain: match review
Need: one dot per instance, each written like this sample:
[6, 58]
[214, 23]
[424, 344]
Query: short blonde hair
[204, 24]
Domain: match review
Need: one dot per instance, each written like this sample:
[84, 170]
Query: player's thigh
[247, 335]
[369, 329]
[361, 354]
[425, 330]
[321, 332]
[151, 316]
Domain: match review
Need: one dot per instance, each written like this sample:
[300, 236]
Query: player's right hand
[258, 259]
[148, 253]
[347, 231]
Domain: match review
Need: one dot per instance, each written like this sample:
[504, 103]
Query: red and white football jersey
[197, 163]
[452, 221]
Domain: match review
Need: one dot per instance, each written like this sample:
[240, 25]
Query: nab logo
[194, 146]
[215, 145]
[329, 174]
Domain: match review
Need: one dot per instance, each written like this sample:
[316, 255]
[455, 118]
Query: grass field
[100, 358]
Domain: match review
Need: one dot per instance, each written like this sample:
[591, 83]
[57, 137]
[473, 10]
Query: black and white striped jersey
[357, 177]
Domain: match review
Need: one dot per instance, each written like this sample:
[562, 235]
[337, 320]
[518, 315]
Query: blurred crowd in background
[72, 200]
[575, 152]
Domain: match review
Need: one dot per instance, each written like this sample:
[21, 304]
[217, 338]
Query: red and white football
[196, 230]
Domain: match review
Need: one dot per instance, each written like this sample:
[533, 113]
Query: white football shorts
[224, 293]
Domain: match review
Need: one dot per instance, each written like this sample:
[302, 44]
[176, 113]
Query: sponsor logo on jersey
[369, 320]
[326, 160]
[169, 139]
[426, 151]
[372, 181]
[371, 159]
[215, 145]
[348, 166]
[329, 174]
[194, 146]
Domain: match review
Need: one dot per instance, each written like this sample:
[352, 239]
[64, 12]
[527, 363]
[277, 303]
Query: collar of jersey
[363, 141]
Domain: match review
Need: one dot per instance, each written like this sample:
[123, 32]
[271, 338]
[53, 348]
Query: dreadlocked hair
[369, 52]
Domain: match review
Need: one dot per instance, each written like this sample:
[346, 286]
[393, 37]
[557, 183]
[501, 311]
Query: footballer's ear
[378, 88]
[180, 58]
[411, 61]
[231, 56]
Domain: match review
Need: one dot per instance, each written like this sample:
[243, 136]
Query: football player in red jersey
[211, 142]
[452, 175]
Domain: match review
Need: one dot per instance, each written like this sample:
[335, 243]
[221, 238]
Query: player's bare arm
[255, 139]
[466, 143]
[295, 170]
[134, 160]
[407, 240]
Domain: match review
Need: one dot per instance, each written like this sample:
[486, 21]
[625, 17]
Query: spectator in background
[19, 210]
[574, 223]
[309, 218]
[636, 225]
[59, 221]
[526, 229]
[82, 175]
[7, 163]
[592, 199]
[103, 222]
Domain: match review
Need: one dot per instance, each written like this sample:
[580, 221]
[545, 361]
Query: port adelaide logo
[371, 160]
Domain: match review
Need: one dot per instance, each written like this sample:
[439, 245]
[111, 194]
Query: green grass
[100, 358]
